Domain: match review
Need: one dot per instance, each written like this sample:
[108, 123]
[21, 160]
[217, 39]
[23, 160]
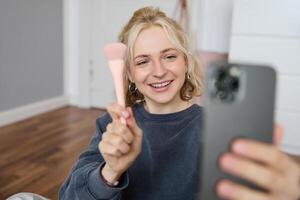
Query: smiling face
[158, 70]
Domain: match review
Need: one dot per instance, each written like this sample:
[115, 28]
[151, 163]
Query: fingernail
[123, 121]
[125, 114]
[239, 147]
[224, 189]
[228, 163]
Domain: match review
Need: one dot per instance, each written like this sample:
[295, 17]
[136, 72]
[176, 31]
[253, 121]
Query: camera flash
[234, 71]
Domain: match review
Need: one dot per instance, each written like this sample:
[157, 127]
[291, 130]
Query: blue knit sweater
[166, 168]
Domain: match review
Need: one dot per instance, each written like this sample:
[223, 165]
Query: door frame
[77, 51]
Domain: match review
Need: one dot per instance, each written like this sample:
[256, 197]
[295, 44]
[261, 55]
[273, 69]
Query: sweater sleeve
[84, 181]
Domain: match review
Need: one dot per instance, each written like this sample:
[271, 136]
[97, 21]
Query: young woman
[154, 156]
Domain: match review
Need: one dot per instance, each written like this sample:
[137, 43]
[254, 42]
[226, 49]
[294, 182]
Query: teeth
[159, 85]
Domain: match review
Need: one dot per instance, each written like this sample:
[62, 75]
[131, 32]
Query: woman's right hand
[120, 144]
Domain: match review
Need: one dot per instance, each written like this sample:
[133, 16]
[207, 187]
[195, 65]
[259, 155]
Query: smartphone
[238, 103]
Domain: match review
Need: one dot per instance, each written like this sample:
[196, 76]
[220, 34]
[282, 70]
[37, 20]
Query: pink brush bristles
[114, 53]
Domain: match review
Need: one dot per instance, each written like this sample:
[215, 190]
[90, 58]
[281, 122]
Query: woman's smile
[161, 86]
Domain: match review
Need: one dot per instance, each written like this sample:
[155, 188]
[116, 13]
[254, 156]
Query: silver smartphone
[238, 102]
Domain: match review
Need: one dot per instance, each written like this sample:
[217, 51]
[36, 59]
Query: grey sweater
[166, 169]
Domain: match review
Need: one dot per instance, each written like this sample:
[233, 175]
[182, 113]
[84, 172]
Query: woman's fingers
[266, 154]
[116, 112]
[123, 138]
[278, 133]
[121, 130]
[264, 165]
[254, 172]
[261, 152]
[116, 141]
[121, 142]
[229, 190]
[107, 148]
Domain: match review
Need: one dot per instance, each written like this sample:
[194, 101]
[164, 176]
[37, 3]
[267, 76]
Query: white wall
[212, 21]
[31, 58]
[268, 31]
[71, 51]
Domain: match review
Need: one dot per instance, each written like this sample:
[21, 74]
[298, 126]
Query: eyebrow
[145, 55]
[168, 49]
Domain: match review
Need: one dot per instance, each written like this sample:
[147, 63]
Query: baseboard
[290, 149]
[24, 112]
[74, 100]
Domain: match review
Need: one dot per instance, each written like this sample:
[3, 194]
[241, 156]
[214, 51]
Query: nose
[159, 70]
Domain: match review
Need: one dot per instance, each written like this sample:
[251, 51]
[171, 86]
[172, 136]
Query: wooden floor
[36, 154]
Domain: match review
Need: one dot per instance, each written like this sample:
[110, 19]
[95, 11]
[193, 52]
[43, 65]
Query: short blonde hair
[148, 17]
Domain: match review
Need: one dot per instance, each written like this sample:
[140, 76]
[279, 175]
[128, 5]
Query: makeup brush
[114, 53]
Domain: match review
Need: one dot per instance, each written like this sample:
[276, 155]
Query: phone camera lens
[226, 83]
[222, 95]
[232, 83]
[221, 74]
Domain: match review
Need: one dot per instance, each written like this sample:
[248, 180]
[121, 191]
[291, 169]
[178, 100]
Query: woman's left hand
[264, 165]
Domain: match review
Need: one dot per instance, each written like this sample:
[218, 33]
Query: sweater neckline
[168, 116]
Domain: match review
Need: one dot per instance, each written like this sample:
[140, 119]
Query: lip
[161, 86]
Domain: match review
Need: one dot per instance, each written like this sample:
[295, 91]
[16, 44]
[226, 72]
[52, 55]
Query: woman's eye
[170, 57]
[141, 62]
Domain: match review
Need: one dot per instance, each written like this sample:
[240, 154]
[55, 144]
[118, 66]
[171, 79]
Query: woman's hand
[120, 144]
[264, 165]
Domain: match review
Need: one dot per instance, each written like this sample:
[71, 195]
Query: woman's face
[158, 68]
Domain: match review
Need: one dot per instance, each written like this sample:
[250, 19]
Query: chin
[166, 99]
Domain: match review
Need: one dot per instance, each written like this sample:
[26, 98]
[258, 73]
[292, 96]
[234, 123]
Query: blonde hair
[145, 18]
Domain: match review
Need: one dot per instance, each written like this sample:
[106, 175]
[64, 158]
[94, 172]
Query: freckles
[239, 147]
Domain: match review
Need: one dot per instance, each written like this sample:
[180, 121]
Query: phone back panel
[249, 113]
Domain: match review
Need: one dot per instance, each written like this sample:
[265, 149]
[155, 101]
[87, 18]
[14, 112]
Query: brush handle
[117, 69]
